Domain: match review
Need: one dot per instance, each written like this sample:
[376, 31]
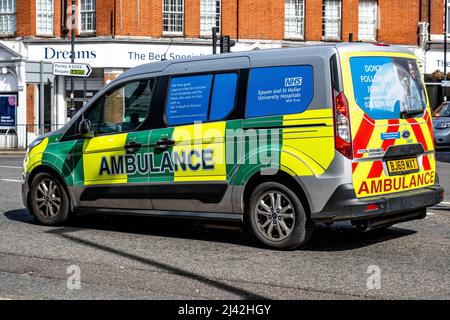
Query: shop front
[43, 101]
[12, 97]
[434, 75]
[107, 60]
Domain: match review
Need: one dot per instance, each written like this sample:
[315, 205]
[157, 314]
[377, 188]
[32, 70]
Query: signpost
[71, 69]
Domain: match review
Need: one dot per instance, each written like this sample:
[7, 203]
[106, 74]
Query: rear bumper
[344, 205]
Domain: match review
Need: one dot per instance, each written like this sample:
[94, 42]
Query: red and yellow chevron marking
[370, 177]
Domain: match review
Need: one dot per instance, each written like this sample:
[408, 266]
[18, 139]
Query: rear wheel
[277, 217]
[48, 200]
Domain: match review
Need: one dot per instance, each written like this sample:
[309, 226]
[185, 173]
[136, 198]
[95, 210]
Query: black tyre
[277, 218]
[48, 200]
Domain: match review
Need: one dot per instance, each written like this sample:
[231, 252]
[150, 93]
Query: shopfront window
[7, 17]
[87, 16]
[44, 13]
[84, 88]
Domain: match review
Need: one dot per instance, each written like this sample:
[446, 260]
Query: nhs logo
[293, 82]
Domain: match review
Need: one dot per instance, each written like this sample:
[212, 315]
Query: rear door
[190, 154]
[391, 128]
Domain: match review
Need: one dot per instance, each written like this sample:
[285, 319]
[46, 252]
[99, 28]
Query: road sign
[71, 69]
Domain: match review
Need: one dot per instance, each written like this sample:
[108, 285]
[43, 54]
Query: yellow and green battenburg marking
[292, 143]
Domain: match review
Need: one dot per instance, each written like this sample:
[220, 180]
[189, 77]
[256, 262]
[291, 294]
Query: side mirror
[86, 129]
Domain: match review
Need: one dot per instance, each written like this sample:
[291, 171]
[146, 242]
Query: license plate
[396, 167]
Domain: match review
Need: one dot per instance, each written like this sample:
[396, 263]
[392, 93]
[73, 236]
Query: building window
[210, 13]
[332, 19]
[173, 17]
[44, 22]
[294, 19]
[87, 16]
[448, 19]
[368, 20]
[7, 17]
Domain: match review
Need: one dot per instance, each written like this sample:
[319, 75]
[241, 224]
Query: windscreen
[388, 87]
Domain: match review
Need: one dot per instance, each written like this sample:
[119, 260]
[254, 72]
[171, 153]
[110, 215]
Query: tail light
[342, 135]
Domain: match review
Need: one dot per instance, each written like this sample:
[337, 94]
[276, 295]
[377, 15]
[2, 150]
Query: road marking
[11, 180]
[445, 203]
[10, 167]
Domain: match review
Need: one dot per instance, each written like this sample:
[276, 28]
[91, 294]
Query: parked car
[441, 124]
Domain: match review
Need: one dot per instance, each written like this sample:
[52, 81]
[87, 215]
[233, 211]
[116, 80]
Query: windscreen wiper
[410, 113]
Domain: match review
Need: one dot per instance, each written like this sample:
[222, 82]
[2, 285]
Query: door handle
[133, 146]
[164, 143]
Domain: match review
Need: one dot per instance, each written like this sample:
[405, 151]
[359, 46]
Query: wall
[262, 20]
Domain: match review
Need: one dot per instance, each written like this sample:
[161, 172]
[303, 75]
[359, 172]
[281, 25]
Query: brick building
[114, 35]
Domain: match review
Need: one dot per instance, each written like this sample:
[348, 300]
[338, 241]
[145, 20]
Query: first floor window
[448, 18]
[87, 15]
[209, 16]
[368, 20]
[44, 21]
[331, 20]
[294, 18]
[173, 16]
[7, 17]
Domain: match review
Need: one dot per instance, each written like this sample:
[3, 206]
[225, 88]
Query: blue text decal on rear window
[279, 90]
[224, 95]
[386, 86]
[188, 99]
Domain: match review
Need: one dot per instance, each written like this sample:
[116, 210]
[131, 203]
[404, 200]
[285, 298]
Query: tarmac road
[147, 258]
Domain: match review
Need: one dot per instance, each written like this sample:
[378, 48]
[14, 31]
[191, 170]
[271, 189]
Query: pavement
[146, 258]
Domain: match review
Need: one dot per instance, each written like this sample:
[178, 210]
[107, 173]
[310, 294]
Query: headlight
[443, 125]
[35, 143]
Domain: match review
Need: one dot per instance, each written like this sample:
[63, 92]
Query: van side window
[188, 99]
[279, 90]
[223, 96]
[122, 109]
[192, 98]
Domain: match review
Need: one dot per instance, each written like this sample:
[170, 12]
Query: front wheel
[48, 200]
[277, 217]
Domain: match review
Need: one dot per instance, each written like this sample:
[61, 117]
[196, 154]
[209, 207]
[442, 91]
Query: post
[445, 44]
[72, 59]
[41, 98]
[214, 39]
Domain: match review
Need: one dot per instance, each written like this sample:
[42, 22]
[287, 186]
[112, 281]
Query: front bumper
[442, 137]
[408, 205]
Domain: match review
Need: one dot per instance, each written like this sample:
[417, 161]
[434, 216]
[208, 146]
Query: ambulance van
[279, 140]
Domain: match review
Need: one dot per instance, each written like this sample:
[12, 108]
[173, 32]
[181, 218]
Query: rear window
[388, 87]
